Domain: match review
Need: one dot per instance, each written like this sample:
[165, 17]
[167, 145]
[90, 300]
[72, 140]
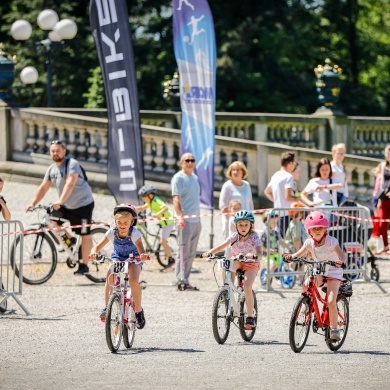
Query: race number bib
[321, 269]
[119, 267]
[225, 264]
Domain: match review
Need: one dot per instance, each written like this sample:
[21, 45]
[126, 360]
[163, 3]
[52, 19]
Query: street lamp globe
[21, 30]
[66, 29]
[29, 75]
[47, 19]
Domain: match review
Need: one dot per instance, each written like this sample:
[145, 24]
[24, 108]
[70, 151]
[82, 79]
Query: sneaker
[250, 323]
[103, 314]
[334, 335]
[140, 317]
[171, 263]
[83, 269]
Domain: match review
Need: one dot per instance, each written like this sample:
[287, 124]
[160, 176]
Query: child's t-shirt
[156, 205]
[249, 246]
[273, 239]
[297, 230]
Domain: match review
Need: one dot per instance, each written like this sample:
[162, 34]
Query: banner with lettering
[195, 51]
[111, 32]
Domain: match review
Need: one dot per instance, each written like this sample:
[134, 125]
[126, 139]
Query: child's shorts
[166, 231]
[249, 266]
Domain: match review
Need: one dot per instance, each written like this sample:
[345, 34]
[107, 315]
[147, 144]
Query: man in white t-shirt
[280, 189]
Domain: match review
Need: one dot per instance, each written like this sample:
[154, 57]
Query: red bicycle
[308, 306]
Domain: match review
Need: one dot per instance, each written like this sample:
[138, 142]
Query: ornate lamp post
[328, 84]
[7, 73]
[57, 31]
[172, 92]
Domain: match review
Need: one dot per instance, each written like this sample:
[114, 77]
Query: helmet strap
[316, 243]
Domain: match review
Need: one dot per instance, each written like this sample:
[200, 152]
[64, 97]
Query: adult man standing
[75, 199]
[186, 200]
[280, 189]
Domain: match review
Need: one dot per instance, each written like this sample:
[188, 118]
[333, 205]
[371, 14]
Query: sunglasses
[56, 143]
[189, 160]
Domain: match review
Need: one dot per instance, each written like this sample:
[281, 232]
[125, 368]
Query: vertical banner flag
[111, 32]
[195, 51]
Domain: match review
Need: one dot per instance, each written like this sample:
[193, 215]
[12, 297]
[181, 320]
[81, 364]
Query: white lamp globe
[47, 19]
[21, 30]
[54, 36]
[29, 75]
[66, 28]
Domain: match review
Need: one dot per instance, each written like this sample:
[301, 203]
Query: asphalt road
[62, 343]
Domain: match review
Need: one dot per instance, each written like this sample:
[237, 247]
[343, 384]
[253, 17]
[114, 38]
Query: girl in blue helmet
[247, 242]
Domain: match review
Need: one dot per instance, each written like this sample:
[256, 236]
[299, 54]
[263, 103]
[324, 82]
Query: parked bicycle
[42, 244]
[286, 281]
[120, 321]
[229, 302]
[3, 299]
[307, 306]
[152, 241]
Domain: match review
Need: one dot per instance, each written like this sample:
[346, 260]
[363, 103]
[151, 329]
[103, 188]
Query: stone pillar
[5, 131]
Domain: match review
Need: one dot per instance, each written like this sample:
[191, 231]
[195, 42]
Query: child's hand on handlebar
[339, 263]
[251, 256]
[144, 256]
[206, 254]
[287, 258]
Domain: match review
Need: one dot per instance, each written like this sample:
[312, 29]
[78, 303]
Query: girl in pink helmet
[322, 247]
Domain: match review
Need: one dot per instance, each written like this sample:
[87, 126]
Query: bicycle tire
[220, 321]
[97, 272]
[342, 323]
[3, 306]
[160, 253]
[39, 257]
[114, 323]
[247, 335]
[374, 273]
[300, 323]
[129, 328]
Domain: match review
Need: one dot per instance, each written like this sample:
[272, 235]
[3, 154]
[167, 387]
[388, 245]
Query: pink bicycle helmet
[316, 219]
[127, 207]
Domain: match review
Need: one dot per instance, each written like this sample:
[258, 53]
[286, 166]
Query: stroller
[350, 233]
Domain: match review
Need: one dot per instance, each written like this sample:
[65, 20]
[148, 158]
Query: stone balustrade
[256, 139]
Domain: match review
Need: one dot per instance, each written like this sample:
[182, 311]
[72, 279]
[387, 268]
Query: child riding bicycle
[158, 209]
[323, 247]
[247, 242]
[127, 242]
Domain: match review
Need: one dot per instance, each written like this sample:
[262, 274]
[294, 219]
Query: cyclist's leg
[134, 273]
[319, 281]
[333, 289]
[165, 232]
[250, 276]
[110, 282]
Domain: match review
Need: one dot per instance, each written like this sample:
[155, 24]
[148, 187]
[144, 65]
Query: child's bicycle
[229, 302]
[286, 281]
[152, 242]
[41, 247]
[120, 318]
[308, 304]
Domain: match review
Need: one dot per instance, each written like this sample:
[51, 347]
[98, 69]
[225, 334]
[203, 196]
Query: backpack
[67, 161]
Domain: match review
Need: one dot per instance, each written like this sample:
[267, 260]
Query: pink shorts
[249, 266]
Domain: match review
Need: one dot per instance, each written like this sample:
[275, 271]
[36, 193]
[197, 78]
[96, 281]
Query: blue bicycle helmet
[244, 215]
[146, 190]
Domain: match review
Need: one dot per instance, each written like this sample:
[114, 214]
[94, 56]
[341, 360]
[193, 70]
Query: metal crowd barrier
[351, 226]
[10, 284]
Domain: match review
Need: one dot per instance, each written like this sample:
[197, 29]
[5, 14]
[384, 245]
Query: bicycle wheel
[220, 320]
[374, 273]
[247, 335]
[300, 324]
[39, 257]
[287, 281]
[129, 328]
[342, 323]
[160, 253]
[97, 272]
[114, 323]
[3, 306]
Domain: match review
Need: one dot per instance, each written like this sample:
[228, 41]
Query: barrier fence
[350, 225]
[10, 284]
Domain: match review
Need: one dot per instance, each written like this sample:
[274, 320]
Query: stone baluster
[82, 144]
[218, 168]
[30, 140]
[170, 160]
[61, 132]
[148, 153]
[361, 189]
[103, 149]
[41, 143]
[92, 148]
[159, 157]
[51, 135]
[72, 144]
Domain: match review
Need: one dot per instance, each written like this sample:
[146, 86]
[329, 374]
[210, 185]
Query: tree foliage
[266, 52]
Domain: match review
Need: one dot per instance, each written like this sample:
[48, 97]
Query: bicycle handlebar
[101, 258]
[240, 258]
[311, 262]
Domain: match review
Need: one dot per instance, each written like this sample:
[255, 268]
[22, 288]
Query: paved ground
[62, 344]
